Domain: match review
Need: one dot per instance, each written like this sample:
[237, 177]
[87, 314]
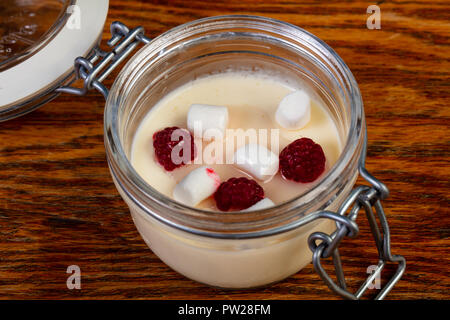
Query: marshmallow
[261, 204]
[294, 111]
[202, 118]
[257, 160]
[198, 185]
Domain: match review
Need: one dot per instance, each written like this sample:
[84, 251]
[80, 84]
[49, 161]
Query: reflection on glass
[26, 26]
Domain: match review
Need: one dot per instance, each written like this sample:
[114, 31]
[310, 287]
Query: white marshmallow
[206, 121]
[294, 111]
[198, 185]
[257, 160]
[261, 204]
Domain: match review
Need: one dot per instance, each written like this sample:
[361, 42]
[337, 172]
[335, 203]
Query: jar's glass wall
[218, 248]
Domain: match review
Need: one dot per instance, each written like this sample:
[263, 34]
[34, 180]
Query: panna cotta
[239, 104]
[242, 102]
[228, 138]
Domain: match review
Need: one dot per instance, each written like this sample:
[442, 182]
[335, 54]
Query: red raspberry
[238, 193]
[163, 144]
[302, 161]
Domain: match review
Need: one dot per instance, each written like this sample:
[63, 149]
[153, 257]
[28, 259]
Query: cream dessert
[251, 101]
[246, 102]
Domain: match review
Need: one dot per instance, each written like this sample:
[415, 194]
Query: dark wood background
[58, 205]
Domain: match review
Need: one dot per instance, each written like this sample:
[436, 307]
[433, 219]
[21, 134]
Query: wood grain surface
[59, 207]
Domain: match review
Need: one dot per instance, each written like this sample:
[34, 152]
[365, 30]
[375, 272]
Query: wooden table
[59, 207]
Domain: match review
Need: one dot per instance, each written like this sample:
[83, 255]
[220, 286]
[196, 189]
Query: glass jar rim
[127, 178]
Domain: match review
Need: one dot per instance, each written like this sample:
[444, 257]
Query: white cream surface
[252, 100]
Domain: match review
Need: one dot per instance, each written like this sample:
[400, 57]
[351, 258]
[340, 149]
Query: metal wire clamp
[123, 41]
[369, 199]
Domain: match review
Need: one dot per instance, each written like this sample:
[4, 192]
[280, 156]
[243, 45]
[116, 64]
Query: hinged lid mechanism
[38, 43]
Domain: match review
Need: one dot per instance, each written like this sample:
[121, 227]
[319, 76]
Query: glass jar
[232, 250]
[223, 249]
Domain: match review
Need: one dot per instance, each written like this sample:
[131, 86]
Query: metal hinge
[369, 199]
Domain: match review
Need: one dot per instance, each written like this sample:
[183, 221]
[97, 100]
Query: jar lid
[39, 41]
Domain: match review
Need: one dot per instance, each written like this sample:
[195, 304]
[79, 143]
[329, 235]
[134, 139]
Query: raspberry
[238, 193]
[302, 161]
[163, 144]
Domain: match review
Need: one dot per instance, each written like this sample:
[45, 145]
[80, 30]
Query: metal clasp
[369, 199]
[123, 42]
